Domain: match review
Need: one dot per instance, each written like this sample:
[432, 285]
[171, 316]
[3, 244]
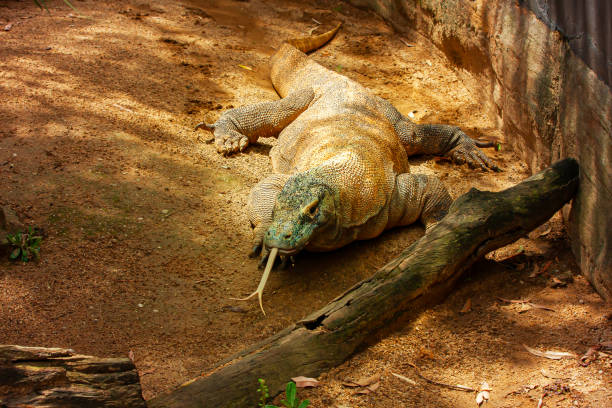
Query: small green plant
[291, 400]
[263, 393]
[26, 245]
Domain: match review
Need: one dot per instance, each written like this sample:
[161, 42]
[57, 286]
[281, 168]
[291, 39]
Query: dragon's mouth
[287, 252]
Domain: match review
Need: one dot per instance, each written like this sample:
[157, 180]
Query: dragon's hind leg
[418, 196]
[238, 127]
[440, 140]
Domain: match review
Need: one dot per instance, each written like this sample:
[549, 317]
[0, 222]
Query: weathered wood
[478, 222]
[53, 377]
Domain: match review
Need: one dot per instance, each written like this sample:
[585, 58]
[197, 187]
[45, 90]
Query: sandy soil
[146, 233]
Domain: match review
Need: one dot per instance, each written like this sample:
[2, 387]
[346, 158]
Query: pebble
[140, 305]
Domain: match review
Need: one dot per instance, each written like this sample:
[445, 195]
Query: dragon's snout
[284, 238]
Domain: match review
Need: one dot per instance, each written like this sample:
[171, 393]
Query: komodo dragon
[340, 166]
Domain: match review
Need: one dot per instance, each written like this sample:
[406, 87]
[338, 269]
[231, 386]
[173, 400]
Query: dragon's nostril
[287, 235]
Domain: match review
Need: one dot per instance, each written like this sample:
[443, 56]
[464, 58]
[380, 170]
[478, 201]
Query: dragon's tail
[307, 44]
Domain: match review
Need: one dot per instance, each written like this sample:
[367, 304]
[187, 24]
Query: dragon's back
[343, 135]
[343, 116]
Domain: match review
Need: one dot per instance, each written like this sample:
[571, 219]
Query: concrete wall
[542, 68]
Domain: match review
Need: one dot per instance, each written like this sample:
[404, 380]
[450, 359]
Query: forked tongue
[264, 279]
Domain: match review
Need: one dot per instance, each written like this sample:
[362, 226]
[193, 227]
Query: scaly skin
[340, 167]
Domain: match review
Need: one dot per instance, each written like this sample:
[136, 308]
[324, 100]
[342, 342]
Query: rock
[9, 224]
[9, 221]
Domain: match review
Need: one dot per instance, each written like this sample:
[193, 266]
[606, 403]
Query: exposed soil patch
[147, 237]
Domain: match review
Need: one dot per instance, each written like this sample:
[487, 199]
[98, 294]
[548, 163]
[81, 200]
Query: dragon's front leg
[239, 127]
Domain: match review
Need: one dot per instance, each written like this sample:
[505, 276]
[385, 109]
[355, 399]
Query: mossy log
[477, 223]
[54, 377]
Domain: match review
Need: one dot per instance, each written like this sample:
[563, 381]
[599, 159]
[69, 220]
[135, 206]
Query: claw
[205, 125]
[284, 262]
[264, 256]
[264, 279]
[484, 143]
[255, 251]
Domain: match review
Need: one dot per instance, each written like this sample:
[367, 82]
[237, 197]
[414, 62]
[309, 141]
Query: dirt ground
[146, 232]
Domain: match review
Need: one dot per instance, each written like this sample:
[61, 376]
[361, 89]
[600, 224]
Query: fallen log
[477, 223]
[54, 377]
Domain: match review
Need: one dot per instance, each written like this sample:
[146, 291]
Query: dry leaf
[453, 387]
[467, 306]
[408, 380]
[553, 355]
[535, 272]
[302, 382]
[512, 300]
[591, 355]
[528, 303]
[370, 388]
[407, 44]
[546, 231]
[548, 374]
[425, 352]
[364, 382]
[369, 384]
[536, 306]
[556, 283]
[530, 306]
[546, 266]
[245, 67]
[350, 384]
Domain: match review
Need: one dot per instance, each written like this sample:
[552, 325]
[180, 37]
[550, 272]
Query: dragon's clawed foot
[467, 152]
[228, 143]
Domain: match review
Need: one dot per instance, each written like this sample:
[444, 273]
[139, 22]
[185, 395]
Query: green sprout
[291, 400]
[264, 394]
[26, 245]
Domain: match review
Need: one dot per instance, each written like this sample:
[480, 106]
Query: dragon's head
[304, 207]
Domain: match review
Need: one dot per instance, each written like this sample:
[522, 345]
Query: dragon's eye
[311, 209]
